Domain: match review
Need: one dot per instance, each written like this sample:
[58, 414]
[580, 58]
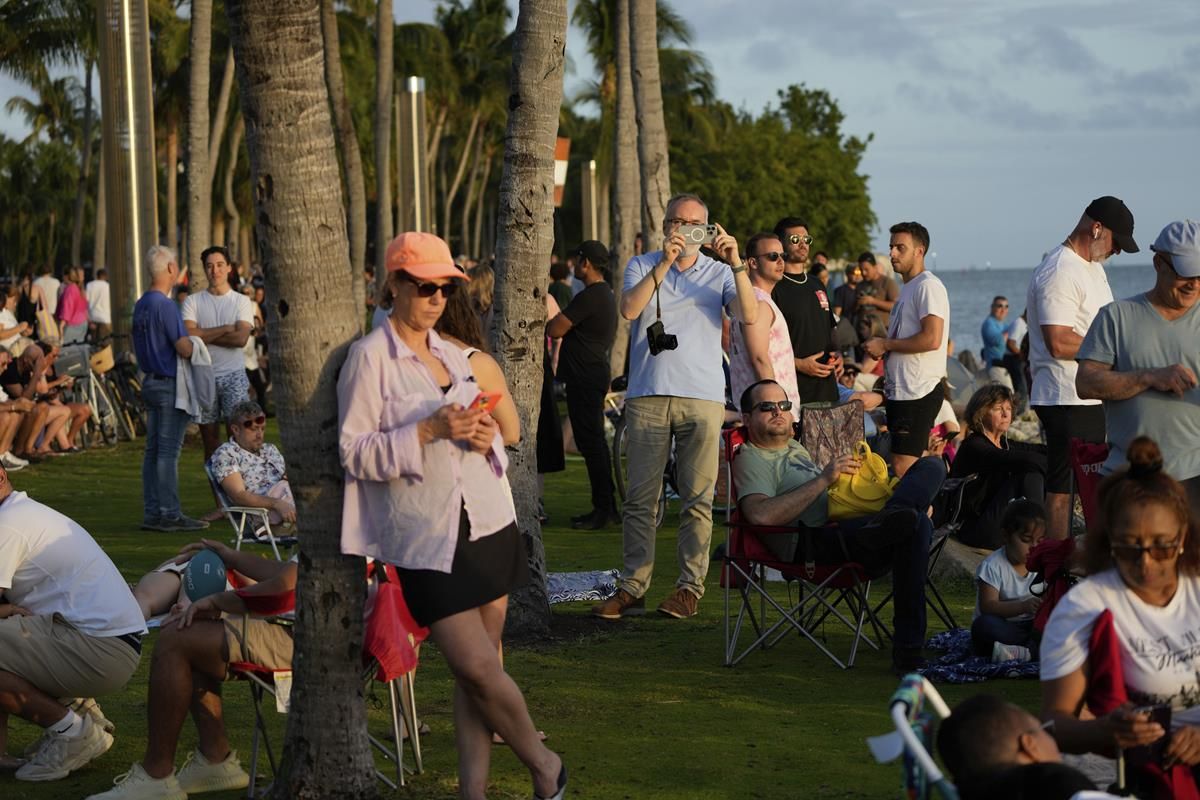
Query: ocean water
[971, 294]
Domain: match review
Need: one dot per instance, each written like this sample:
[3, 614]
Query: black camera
[659, 339]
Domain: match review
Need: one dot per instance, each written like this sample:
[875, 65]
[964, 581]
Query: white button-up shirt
[402, 499]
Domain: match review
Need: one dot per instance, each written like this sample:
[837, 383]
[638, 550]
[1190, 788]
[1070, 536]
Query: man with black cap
[587, 327]
[1140, 358]
[1065, 293]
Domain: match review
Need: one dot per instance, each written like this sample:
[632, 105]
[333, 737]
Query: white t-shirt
[99, 305]
[911, 376]
[1065, 290]
[1160, 647]
[49, 286]
[997, 571]
[210, 310]
[1017, 331]
[7, 320]
[51, 565]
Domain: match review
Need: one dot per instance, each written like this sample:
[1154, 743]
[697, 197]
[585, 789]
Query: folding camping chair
[1086, 459]
[839, 591]
[249, 523]
[914, 727]
[386, 620]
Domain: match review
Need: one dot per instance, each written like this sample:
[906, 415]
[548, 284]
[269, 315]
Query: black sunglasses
[771, 406]
[1132, 553]
[770, 255]
[430, 289]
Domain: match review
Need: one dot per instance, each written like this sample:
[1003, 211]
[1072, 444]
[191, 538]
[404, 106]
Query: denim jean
[987, 629]
[165, 427]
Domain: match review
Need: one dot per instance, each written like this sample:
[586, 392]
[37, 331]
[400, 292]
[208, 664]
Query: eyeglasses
[1132, 553]
[676, 221]
[771, 256]
[770, 407]
[254, 422]
[796, 238]
[1000, 305]
[430, 289]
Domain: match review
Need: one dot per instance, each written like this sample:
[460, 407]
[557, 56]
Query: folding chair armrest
[265, 513]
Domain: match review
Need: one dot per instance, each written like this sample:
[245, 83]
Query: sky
[995, 122]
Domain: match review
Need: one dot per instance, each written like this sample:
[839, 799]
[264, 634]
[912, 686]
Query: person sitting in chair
[191, 659]
[778, 484]
[251, 471]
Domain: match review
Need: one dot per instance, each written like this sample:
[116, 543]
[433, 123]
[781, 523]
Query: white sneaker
[83, 706]
[12, 463]
[1010, 652]
[60, 755]
[137, 785]
[198, 774]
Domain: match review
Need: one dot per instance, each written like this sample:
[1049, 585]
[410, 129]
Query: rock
[958, 562]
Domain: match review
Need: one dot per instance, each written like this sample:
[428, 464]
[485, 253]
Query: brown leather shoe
[621, 604]
[679, 604]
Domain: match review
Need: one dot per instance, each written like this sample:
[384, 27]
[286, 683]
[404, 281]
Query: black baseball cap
[594, 252]
[1116, 216]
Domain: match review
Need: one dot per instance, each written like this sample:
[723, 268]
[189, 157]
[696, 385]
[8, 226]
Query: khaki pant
[61, 661]
[256, 641]
[696, 426]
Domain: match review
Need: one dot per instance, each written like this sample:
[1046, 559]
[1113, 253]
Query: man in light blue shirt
[995, 334]
[674, 297]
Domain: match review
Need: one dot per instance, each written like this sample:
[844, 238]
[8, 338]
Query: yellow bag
[865, 492]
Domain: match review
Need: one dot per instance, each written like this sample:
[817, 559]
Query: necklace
[803, 280]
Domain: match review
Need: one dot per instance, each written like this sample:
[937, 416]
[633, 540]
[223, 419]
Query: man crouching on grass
[69, 628]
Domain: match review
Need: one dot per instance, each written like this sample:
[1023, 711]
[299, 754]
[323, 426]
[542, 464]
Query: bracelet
[738, 268]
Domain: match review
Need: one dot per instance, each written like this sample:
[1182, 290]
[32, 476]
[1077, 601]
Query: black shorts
[1062, 424]
[910, 421]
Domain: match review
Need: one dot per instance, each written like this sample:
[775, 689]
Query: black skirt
[484, 570]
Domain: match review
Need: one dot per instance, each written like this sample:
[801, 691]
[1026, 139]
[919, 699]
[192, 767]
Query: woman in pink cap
[426, 491]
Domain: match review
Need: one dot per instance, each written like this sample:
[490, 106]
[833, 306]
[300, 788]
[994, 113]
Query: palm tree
[168, 67]
[384, 71]
[289, 136]
[526, 235]
[199, 179]
[626, 179]
[652, 127]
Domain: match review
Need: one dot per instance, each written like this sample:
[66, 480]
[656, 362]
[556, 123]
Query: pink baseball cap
[422, 255]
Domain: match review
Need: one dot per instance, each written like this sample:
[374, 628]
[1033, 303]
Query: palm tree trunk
[651, 125]
[626, 180]
[100, 237]
[526, 235]
[218, 121]
[385, 68]
[85, 164]
[458, 178]
[172, 215]
[233, 231]
[476, 239]
[435, 140]
[199, 212]
[347, 137]
[289, 136]
[472, 188]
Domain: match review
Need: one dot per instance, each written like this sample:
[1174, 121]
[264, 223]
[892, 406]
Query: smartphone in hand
[1154, 752]
[485, 401]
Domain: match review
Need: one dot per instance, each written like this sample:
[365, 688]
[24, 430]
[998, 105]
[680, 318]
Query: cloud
[1046, 47]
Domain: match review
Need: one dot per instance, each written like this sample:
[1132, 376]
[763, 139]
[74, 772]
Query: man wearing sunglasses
[1141, 357]
[676, 393]
[1066, 291]
[252, 471]
[779, 484]
[808, 313]
[763, 349]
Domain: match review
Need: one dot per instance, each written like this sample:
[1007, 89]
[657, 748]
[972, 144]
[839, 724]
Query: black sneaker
[154, 524]
[595, 521]
[907, 659]
[183, 523]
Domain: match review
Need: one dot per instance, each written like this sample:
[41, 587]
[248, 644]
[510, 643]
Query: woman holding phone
[1143, 562]
[426, 491]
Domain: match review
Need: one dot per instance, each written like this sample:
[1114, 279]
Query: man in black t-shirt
[805, 305]
[587, 327]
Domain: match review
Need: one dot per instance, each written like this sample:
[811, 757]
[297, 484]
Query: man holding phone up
[674, 298]
[808, 313]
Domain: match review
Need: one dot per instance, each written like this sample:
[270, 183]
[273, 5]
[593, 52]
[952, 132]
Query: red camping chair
[827, 591]
[1086, 459]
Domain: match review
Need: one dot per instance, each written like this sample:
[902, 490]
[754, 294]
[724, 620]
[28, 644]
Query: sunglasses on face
[771, 256]
[430, 289]
[1132, 553]
[771, 406]
[254, 422]
[796, 238]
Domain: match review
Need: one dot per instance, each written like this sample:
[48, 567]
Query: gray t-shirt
[1130, 335]
[757, 470]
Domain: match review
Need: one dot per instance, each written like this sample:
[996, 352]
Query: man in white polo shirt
[1066, 291]
[223, 319]
[69, 628]
[915, 347]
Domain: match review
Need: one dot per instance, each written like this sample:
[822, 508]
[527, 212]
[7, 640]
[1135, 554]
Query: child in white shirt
[1005, 604]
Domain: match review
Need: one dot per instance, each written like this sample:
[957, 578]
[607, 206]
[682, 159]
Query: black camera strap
[657, 301]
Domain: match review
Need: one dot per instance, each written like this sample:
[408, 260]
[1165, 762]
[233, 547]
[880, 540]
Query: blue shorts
[232, 389]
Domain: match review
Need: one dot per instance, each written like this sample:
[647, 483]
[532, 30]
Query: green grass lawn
[641, 708]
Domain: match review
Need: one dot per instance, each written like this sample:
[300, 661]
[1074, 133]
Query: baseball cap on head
[594, 252]
[421, 255]
[1116, 216]
[1181, 241]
